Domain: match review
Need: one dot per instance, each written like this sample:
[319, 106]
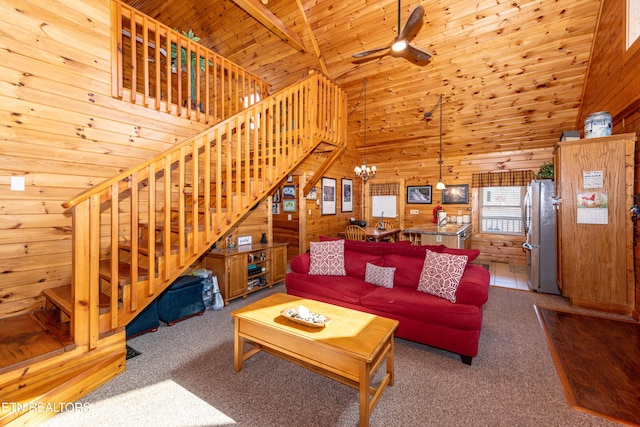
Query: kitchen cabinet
[594, 191]
[450, 235]
[247, 268]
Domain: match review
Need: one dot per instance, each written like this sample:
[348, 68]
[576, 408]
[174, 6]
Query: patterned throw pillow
[381, 276]
[327, 258]
[441, 274]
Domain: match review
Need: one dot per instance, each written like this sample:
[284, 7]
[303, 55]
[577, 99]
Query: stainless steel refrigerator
[540, 228]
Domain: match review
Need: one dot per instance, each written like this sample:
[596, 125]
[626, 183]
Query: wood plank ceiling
[511, 71]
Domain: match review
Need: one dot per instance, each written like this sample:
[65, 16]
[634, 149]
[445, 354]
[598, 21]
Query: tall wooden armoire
[594, 190]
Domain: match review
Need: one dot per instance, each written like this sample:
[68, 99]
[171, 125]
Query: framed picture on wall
[347, 195]
[313, 194]
[420, 194]
[456, 194]
[276, 196]
[289, 191]
[288, 205]
[328, 196]
[275, 208]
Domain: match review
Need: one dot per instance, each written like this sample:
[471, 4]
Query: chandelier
[440, 185]
[365, 172]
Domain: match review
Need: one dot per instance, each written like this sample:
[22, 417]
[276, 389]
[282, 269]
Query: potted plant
[546, 171]
[192, 64]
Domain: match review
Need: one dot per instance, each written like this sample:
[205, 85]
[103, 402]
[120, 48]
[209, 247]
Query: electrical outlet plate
[438, 238]
[414, 211]
[244, 240]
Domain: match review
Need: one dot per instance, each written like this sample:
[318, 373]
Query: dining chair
[387, 225]
[354, 232]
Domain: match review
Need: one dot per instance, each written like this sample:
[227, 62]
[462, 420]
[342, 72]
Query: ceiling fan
[400, 44]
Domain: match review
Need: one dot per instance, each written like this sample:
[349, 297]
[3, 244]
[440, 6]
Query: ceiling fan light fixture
[399, 46]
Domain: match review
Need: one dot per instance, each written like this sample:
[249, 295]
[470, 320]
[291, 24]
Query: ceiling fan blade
[413, 23]
[419, 54]
[369, 52]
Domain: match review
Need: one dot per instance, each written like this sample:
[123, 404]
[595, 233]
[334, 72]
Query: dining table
[375, 234]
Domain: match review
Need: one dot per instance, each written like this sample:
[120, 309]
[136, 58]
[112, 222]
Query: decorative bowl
[312, 320]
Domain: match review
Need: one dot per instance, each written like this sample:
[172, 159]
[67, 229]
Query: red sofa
[423, 317]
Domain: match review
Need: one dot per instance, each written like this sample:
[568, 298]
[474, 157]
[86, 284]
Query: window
[501, 210]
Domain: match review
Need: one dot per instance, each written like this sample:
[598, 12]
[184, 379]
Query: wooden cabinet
[594, 191]
[246, 269]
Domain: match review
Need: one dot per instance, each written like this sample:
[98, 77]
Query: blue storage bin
[181, 300]
[146, 321]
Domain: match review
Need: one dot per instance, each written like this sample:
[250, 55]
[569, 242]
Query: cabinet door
[593, 256]
[278, 263]
[237, 275]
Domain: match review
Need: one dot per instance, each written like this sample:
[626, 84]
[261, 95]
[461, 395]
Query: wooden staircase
[123, 254]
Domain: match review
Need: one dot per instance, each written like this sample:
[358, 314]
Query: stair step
[174, 227]
[50, 319]
[25, 341]
[61, 298]
[143, 248]
[124, 272]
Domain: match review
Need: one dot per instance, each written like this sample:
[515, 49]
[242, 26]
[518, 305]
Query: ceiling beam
[314, 41]
[271, 22]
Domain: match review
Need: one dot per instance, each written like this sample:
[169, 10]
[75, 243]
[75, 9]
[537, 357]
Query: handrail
[197, 83]
[148, 224]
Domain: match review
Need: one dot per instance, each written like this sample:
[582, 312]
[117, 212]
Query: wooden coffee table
[349, 349]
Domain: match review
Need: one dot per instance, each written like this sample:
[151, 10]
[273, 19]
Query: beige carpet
[185, 377]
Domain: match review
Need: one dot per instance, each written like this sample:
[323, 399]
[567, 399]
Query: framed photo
[288, 205]
[275, 208]
[289, 191]
[419, 194]
[313, 194]
[456, 194]
[276, 196]
[290, 178]
[328, 196]
[347, 195]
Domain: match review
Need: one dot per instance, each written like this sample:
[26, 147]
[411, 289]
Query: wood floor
[598, 361]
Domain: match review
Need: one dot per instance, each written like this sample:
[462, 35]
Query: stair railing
[135, 233]
[163, 69]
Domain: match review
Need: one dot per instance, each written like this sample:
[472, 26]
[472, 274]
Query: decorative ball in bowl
[302, 315]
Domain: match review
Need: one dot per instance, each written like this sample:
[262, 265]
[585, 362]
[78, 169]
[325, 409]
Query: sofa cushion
[300, 263]
[423, 307]
[470, 253]
[355, 262]
[381, 276]
[407, 269]
[441, 274]
[327, 258]
[346, 289]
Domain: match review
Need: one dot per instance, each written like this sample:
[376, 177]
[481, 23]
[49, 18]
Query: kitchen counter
[450, 235]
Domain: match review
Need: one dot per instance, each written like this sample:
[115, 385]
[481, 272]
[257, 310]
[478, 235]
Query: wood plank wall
[613, 84]
[63, 133]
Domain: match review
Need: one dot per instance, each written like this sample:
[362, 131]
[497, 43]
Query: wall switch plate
[289, 217]
[414, 211]
[17, 183]
[244, 240]
[438, 238]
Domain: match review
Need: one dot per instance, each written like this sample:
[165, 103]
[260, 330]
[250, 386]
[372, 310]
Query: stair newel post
[81, 279]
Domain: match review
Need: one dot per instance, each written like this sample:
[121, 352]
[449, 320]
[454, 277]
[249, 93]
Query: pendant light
[365, 172]
[440, 185]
